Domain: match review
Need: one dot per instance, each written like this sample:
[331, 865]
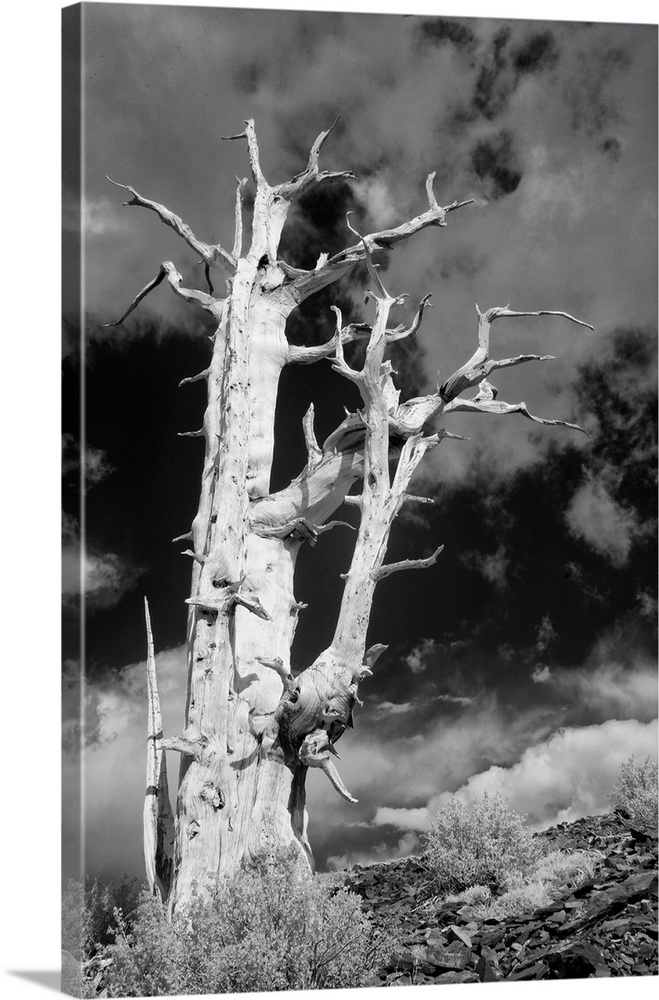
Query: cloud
[104, 577]
[406, 845]
[609, 689]
[96, 463]
[384, 708]
[417, 659]
[495, 165]
[605, 525]
[384, 769]
[115, 759]
[399, 773]
[565, 777]
[545, 635]
[536, 755]
[375, 196]
[509, 134]
[493, 567]
[412, 819]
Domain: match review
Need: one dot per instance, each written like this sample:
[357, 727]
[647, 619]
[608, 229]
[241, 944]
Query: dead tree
[252, 729]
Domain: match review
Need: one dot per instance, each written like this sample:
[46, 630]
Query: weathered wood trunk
[252, 729]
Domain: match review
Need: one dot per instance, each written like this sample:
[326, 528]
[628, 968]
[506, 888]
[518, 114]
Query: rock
[607, 925]
[454, 933]
[578, 960]
[537, 970]
[449, 958]
[486, 971]
[456, 977]
[610, 901]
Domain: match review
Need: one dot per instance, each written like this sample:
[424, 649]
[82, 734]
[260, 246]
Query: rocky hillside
[607, 926]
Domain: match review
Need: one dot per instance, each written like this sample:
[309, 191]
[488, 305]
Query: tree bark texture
[252, 729]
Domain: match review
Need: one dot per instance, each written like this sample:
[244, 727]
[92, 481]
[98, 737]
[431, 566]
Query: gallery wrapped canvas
[359, 455]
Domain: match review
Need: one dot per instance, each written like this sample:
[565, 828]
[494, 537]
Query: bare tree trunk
[251, 729]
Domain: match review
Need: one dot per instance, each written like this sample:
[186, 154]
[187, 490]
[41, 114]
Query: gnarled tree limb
[304, 285]
[479, 365]
[167, 270]
[485, 402]
[212, 253]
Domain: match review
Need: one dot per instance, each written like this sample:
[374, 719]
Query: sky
[524, 662]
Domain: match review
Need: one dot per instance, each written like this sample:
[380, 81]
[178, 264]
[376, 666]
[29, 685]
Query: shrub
[272, 926]
[486, 844]
[88, 912]
[636, 792]
[548, 878]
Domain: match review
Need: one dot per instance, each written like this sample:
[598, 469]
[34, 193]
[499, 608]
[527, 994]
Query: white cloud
[384, 708]
[493, 567]
[567, 776]
[114, 766]
[104, 576]
[377, 199]
[541, 673]
[406, 819]
[609, 528]
[609, 689]
[100, 216]
[417, 660]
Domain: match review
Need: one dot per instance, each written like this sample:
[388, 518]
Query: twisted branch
[212, 253]
[167, 270]
[479, 365]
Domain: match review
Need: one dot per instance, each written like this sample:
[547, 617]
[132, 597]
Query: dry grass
[553, 875]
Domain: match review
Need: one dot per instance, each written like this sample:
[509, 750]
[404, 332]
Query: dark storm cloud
[495, 82]
[438, 30]
[614, 507]
[538, 53]
[495, 164]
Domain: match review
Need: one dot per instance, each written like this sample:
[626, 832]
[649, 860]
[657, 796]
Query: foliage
[486, 844]
[636, 792]
[270, 926]
[549, 877]
[88, 913]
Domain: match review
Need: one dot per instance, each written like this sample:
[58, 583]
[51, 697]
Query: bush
[272, 926]
[88, 912]
[549, 877]
[636, 792]
[486, 844]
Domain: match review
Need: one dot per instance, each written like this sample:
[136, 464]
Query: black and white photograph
[359, 499]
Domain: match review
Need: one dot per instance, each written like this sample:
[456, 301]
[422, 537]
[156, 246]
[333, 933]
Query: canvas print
[359, 500]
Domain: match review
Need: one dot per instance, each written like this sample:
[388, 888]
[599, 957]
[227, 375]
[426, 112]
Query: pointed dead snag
[158, 817]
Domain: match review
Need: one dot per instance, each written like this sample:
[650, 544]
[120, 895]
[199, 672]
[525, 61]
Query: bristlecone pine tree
[252, 729]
